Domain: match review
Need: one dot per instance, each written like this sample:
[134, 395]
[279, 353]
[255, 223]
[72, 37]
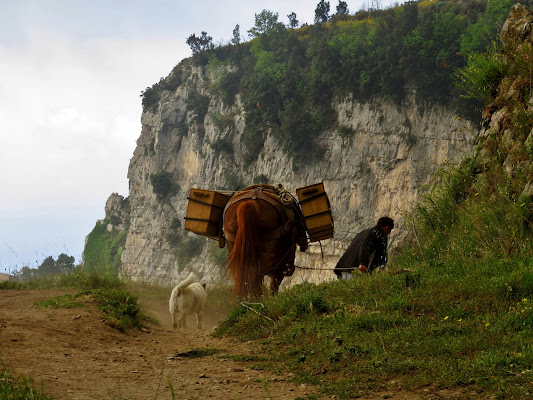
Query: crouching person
[367, 251]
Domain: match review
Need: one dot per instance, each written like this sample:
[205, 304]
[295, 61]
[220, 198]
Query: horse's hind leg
[275, 281]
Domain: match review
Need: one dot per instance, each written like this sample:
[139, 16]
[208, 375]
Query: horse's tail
[243, 261]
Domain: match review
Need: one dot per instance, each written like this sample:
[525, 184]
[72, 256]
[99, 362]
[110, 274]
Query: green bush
[103, 250]
[19, 387]
[187, 250]
[163, 184]
[217, 255]
[481, 75]
[223, 146]
[198, 104]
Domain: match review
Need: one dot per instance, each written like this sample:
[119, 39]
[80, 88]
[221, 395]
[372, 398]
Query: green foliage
[120, 308]
[346, 131]
[233, 182]
[103, 250]
[479, 35]
[439, 326]
[224, 121]
[64, 301]
[151, 95]
[322, 12]
[81, 278]
[49, 266]
[481, 76]
[217, 255]
[19, 387]
[223, 146]
[266, 23]
[187, 250]
[261, 178]
[229, 86]
[163, 185]
[199, 104]
[174, 235]
[201, 43]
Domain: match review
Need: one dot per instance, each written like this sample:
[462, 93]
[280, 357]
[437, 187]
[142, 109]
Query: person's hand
[363, 269]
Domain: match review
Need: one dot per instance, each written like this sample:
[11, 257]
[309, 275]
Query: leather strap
[270, 196]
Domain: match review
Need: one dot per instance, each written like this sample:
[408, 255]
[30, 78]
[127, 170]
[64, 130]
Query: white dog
[187, 298]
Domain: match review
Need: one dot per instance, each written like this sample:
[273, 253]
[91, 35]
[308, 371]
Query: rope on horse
[285, 197]
[325, 269]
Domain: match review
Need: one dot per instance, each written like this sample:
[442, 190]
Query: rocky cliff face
[374, 165]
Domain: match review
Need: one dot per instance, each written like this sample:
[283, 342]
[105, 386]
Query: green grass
[119, 308]
[464, 328]
[18, 387]
[453, 311]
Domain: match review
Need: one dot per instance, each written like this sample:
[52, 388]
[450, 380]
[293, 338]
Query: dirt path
[77, 356]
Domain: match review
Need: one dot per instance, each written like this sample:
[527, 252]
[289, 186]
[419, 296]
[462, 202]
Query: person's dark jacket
[368, 242]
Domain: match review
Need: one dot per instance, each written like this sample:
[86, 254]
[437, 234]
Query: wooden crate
[316, 210]
[204, 212]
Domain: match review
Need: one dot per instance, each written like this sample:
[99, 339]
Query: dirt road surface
[76, 355]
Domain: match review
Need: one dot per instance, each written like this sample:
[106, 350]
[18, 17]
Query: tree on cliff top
[266, 22]
[201, 43]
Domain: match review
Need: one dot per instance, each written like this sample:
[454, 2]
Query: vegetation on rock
[288, 78]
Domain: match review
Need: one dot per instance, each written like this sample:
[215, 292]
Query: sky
[71, 76]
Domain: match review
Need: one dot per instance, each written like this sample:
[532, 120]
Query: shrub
[223, 146]
[163, 184]
[103, 250]
[187, 250]
[198, 104]
[481, 75]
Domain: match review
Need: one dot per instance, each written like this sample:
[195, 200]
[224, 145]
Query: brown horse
[261, 232]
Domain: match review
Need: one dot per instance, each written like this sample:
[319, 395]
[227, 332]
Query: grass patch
[443, 332]
[119, 308]
[245, 358]
[80, 279]
[18, 387]
[64, 301]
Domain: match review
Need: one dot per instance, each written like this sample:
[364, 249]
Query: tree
[266, 22]
[163, 184]
[64, 263]
[26, 273]
[293, 22]
[199, 44]
[322, 12]
[236, 35]
[48, 266]
[342, 8]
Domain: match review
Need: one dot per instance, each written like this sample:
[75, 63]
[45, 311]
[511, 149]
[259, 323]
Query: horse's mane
[243, 259]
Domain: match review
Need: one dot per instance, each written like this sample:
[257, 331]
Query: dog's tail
[190, 279]
[178, 290]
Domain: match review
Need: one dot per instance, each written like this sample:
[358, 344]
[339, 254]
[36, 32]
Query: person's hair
[386, 221]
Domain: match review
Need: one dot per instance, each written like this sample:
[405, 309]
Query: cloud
[70, 114]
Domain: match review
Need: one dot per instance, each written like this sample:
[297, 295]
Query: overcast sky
[71, 75]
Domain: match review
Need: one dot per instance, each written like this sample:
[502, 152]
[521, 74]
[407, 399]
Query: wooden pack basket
[204, 212]
[316, 210]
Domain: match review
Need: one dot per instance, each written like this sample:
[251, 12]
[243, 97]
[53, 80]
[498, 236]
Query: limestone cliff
[377, 168]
